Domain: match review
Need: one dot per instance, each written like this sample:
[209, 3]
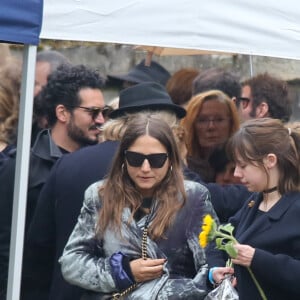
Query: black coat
[226, 200]
[43, 155]
[275, 236]
[62, 197]
[59, 206]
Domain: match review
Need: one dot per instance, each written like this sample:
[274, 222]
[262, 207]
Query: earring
[171, 168]
[122, 167]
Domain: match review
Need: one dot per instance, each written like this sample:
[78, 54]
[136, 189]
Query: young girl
[267, 228]
[137, 234]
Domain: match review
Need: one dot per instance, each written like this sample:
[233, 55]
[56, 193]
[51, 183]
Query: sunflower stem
[262, 294]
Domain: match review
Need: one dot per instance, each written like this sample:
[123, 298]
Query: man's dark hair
[217, 79]
[273, 91]
[64, 85]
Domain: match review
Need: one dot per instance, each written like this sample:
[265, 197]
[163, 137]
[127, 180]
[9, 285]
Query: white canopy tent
[267, 28]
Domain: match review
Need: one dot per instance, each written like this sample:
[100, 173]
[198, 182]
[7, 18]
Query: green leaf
[219, 243]
[228, 228]
[229, 248]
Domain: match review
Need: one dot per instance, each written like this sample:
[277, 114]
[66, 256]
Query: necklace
[144, 256]
[271, 190]
[268, 199]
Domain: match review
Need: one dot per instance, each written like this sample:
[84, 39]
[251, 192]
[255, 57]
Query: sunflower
[206, 234]
[203, 239]
[223, 234]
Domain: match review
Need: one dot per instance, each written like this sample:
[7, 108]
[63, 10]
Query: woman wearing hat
[137, 234]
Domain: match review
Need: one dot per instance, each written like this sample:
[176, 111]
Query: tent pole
[21, 173]
[251, 65]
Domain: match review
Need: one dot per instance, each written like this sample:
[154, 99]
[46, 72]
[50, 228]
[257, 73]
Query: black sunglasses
[242, 100]
[95, 111]
[135, 159]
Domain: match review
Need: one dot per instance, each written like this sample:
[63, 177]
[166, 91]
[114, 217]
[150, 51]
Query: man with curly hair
[75, 110]
[264, 96]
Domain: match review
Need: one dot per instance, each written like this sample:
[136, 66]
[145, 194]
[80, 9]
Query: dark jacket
[59, 206]
[6, 153]
[275, 235]
[61, 200]
[43, 155]
[226, 200]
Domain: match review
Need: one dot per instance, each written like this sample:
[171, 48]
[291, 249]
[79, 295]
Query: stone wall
[111, 58]
[115, 59]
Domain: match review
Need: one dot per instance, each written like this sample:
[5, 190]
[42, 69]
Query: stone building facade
[115, 59]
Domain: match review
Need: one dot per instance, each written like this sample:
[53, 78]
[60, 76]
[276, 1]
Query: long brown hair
[118, 190]
[259, 137]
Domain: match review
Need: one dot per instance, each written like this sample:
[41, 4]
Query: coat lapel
[251, 225]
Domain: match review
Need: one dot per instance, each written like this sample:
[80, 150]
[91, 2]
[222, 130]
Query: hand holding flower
[223, 236]
[244, 256]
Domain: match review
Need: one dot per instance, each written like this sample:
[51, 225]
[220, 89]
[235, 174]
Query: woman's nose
[145, 166]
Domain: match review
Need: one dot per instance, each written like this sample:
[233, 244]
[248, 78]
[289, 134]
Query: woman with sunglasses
[137, 234]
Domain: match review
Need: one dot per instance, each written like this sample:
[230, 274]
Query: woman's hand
[219, 273]
[245, 255]
[146, 269]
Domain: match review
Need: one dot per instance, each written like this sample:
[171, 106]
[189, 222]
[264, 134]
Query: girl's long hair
[119, 191]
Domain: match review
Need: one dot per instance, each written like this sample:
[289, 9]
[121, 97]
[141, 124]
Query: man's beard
[78, 136]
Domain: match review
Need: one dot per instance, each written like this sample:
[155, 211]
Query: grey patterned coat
[85, 261]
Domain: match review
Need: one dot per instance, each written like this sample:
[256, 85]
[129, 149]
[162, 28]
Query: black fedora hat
[143, 96]
[142, 73]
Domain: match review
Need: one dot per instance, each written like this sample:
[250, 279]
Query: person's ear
[262, 110]
[270, 160]
[62, 114]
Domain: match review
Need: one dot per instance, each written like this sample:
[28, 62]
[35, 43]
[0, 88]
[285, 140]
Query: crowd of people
[117, 190]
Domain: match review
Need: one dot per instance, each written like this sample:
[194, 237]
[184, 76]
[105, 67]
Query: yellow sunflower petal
[203, 239]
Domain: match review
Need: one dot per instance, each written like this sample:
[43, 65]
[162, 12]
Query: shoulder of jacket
[193, 186]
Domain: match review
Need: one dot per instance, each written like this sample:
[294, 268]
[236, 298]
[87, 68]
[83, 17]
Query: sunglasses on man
[95, 111]
[136, 159]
